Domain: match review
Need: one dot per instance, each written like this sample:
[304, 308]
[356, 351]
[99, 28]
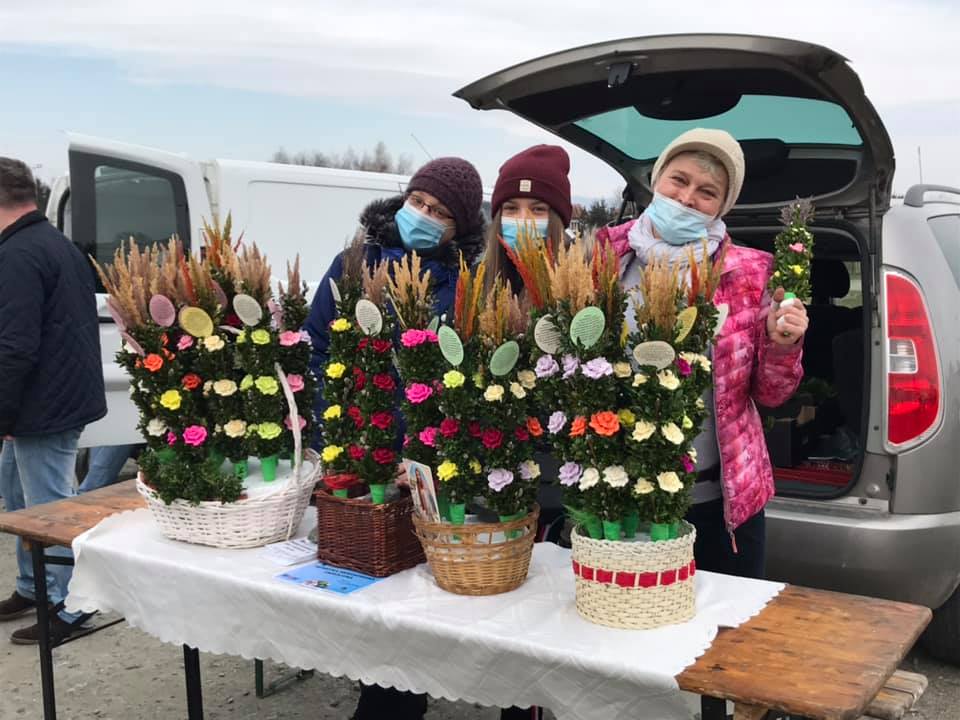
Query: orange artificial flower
[578, 427]
[164, 339]
[534, 427]
[191, 381]
[153, 362]
[167, 354]
[138, 363]
[605, 423]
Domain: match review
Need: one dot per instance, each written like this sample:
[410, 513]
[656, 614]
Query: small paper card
[422, 490]
[319, 576]
[290, 552]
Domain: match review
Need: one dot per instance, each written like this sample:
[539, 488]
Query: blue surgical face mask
[510, 229]
[675, 223]
[418, 231]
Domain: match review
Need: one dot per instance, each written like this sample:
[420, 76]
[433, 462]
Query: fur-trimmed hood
[379, 227]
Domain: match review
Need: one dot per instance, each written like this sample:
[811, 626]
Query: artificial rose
[449, 427]
[354, 414]
[447, 471]
[668, 379]
[643, 430]
[340, 325]
[643, 487]
[381, 419]
[516, 389]
[639, 379]
[521, 434]
[627, 418]
[569, 474]
[534, 427]
[605, 423]
[288, 423]
[412, 338]
[156, 427]
[260, 337]
[289, 338]
[615, 476]
[672, 433]
[225, 388]
[453, 379]
[494, 393]
[267, 385]
[669, 482]
[556, 422]
[335, 370]
[331, 453]
[191, 381]
[194, 435]
[332, 412]
[384, 456]
[185, 342]
[356, 452]
[622, 369]
[546, 367]
[570, 366]
[416, 392]
[527, 378]
[295, 382]
[529, 470]
[597, 368]
[235, 428]
[683, 367]
[153, 362]
[688, 464]
[475, 429]
[171, 399]
[578, 427]
[213, 343]
[246, 383]
[384, 382]
[499, 478]
[359, 379]
[492, 438]
[382, 346]
[428, 436]
[269, 430]
[590, 477]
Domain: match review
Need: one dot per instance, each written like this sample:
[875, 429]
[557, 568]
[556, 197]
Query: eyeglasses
[437, 211]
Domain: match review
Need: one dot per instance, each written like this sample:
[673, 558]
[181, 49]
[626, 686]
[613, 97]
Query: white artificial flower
[672, 433]
[643, 487]
[668, 379]
[615, 476]
[643, 430]
[156, 427]
[669, 482]
[622, 369]
[590, 477]
[516, 389]
[639, 379]
[527, 378]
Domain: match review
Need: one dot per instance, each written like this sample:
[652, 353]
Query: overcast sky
[240, 79]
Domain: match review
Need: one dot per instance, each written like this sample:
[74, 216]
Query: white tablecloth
[527, 647]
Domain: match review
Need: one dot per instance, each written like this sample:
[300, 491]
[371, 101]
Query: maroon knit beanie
[539, 172]
[456, 183]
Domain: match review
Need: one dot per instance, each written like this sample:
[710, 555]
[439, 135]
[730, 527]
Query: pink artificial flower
[304, 336]
[289, 338]
[418, 392]
[797, 247]
[430, 336]
[413, 337]
[289, 423]
[195, 435]
[295, 382]
[171, 438]
[428, 436]
[684, 367]
[185, 342]
[688, 465]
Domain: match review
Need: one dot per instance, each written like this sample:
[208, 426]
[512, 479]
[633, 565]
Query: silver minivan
[867, 455]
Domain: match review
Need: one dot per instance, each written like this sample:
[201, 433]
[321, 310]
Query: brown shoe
[15, 606]
[60, 630]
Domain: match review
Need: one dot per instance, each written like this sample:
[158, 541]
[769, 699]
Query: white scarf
[646, 246]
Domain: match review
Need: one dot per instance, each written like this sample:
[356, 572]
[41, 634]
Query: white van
[116, 190]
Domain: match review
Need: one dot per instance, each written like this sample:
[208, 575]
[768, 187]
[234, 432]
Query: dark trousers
[379, 703]
[713, 548]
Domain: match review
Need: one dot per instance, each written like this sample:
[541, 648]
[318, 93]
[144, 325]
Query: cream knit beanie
[718, 143]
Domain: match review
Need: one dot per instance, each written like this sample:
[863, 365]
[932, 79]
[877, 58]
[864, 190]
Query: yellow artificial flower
[494, 393]
[516, 389]
[669, 482]
[235, 428]
[260, 337]
[687, 423]
[627, 418]
[476, 466]
[453, 379]
[269, 430]
[668, 379]
[478, 379]
[171, 399]
[213, 343]
[225, 388]
[340, 325]
[527, 378]
[639, 379]
[242, 337]
[797, 269]
[267, 385]
[776, 274]
[332, 412]
[447, 471]
[643, 430]
[331, 453]
[643, 487]
[622, 369]
[672, 433]
[336, 370]
[246, 383]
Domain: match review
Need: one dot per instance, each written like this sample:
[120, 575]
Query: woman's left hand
[786, 325]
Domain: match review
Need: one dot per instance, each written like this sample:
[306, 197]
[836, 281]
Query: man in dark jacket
[51, 378]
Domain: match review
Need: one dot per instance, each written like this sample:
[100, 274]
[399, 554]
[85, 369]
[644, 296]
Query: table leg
[43, 631]
[712, 708]
[191, 671]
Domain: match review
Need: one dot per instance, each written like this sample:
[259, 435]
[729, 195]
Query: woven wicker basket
[246, 523]
[479, 559]
[638, 585]
[374, 539]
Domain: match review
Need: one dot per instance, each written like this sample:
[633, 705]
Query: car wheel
[942, 637]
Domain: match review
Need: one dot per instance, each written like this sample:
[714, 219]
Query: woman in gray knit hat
[756, 356]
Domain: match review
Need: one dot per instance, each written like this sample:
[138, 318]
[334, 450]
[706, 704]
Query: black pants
[379, 703]
[713, 548]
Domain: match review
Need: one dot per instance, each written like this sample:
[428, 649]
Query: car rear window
[792, 120]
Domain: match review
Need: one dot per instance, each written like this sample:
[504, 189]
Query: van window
[946, 228]
[133, 204]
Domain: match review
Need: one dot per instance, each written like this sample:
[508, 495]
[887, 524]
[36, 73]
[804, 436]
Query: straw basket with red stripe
[637, 585]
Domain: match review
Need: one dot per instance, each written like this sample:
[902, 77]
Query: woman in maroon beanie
[532, 191]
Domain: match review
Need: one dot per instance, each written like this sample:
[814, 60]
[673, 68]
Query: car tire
[942, 636]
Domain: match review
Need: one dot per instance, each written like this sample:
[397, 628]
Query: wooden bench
[897, 697]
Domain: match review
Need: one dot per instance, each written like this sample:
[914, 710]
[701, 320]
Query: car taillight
[913, 368]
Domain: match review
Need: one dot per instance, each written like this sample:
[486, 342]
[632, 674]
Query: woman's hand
[400, 476]
[786, 324]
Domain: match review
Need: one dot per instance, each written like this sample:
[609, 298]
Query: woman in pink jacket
[756, 358]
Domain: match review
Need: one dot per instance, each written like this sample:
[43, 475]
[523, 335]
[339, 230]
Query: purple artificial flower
[499, 478]
[569, 474]
[556, 422]
[570, 365]
[546, 366]
[597, 368]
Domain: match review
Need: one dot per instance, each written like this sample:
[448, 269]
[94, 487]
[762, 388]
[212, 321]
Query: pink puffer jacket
[749, 369]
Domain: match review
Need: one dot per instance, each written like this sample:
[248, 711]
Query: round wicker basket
[481, 558]
[637, 585]
[246, 523]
